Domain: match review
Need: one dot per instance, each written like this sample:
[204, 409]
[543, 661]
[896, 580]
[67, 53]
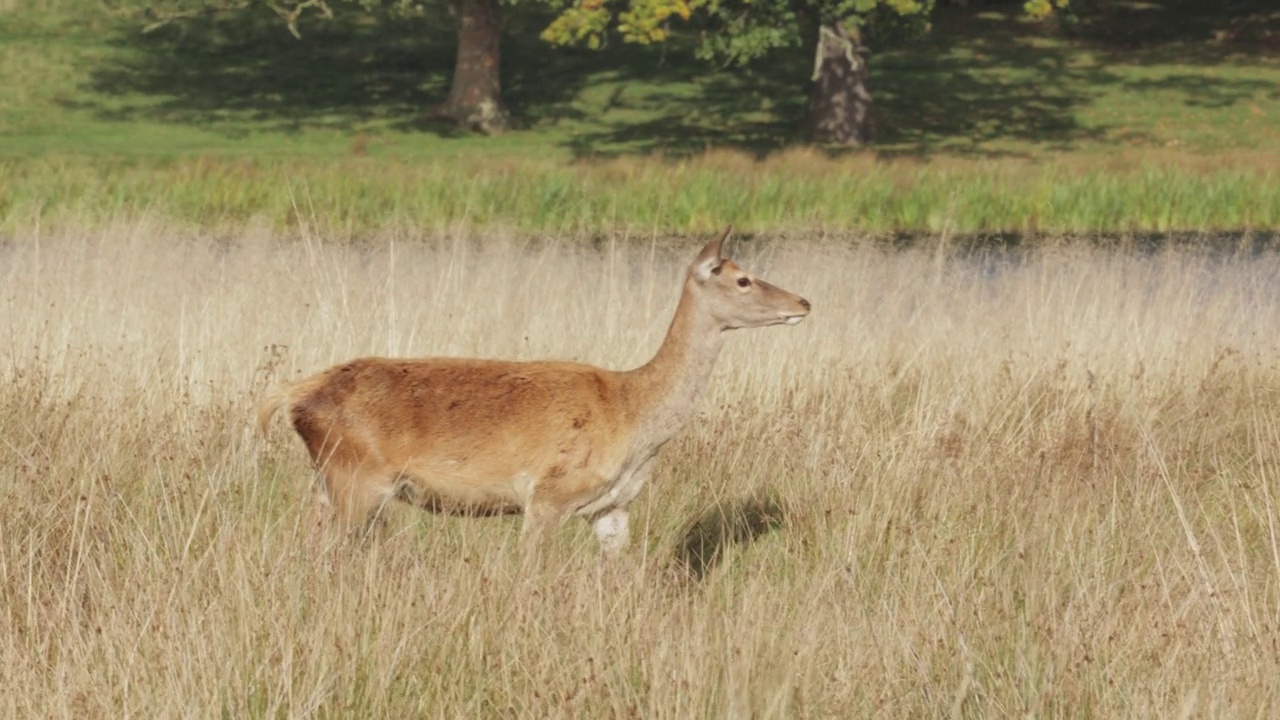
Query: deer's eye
[743, 282]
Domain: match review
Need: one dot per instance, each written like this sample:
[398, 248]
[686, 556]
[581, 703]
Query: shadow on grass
[244, 70]
[981, 76]
[1181, 31]
[736, 522]
[986, 76]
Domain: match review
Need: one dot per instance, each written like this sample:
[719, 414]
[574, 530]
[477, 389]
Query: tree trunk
[839, 104]
[475, 97]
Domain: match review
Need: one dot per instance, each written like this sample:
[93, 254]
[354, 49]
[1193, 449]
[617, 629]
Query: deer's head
[737, 299]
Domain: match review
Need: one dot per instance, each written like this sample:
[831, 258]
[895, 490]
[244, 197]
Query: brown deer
[549, 439]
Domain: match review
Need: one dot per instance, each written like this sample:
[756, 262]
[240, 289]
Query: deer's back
[470, 429]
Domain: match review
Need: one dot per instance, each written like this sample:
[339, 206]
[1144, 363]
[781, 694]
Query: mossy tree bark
[475, 96]
[839, 102]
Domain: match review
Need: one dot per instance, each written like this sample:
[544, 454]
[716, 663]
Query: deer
[550, 439]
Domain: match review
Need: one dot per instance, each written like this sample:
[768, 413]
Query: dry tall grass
[1039, 485]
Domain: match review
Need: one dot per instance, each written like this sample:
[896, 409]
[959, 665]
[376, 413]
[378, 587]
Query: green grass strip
[797, 192]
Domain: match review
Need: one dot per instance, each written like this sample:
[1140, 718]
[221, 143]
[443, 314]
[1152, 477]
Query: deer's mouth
[792, 319]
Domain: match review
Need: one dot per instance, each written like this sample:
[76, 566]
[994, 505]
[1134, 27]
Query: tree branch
[290, 17]
[844, 40]
[166, 19]
[290, 13]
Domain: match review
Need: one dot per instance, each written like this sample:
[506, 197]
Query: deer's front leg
[613, 530]
[612, 526]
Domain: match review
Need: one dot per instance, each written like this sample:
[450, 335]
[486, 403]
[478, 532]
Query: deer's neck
[667, 387]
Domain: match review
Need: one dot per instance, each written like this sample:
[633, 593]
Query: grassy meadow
[796, 191]
[972, 483]
[1032, 478]
[1163, 120]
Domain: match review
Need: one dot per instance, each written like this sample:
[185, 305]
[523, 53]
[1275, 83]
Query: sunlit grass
[987, 124]
[1027, 483]
[796, 191]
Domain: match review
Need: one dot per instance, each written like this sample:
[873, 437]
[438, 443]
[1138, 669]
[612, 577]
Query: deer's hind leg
[355, 485]
[346, 508]
[541, 515]
[356, 495]
[552, 501]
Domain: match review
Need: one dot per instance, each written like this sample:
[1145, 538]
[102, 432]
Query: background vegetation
[1156, 120]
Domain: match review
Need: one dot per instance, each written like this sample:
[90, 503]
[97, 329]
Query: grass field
[988, 124]
[1032, 479]
[798, 191]
[1003, 483]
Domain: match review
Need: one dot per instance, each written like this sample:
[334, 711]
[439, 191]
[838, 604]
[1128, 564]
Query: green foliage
[740, 37]
[733, 31]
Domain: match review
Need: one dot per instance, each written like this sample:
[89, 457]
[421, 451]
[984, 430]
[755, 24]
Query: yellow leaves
[1043, 8]
[1037, 8]
[585, 22]
[639, 21]
[645, 22]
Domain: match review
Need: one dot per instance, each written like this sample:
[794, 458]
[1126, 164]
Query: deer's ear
[712, 256]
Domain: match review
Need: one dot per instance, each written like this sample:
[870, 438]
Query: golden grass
[997, 485]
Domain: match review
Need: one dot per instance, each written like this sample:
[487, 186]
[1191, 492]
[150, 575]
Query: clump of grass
[358, 195]
[1034, 482]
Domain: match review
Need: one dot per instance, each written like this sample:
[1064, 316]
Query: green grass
[991, 123]
[796, 191]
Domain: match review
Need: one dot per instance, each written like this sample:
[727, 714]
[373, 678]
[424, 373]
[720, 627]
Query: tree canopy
[743, 31]
[731, 30]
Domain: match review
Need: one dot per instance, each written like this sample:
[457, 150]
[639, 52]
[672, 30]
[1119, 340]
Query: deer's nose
[804, 303]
